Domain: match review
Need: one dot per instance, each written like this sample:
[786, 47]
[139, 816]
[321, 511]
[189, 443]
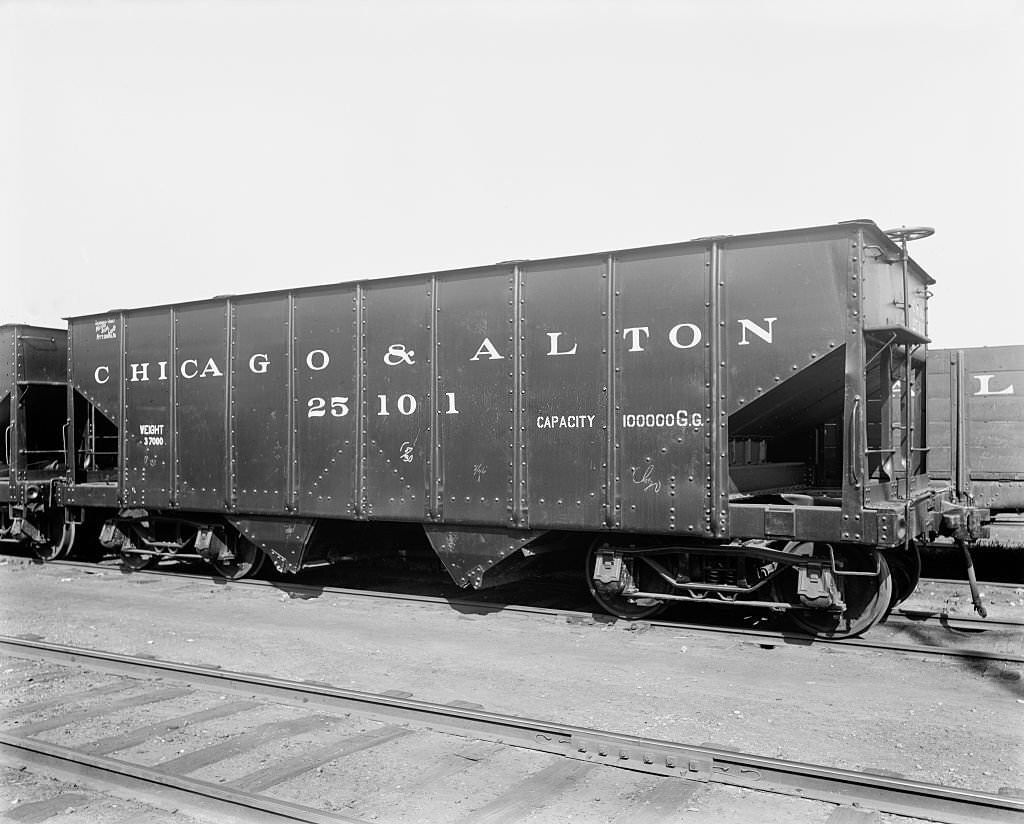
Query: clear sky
[153, 152]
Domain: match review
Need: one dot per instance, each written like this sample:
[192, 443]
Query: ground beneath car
[957, 723]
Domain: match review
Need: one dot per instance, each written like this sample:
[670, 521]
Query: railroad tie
[37, 679]
[289, 768]
[16, 666]
[532, 793]
[441, 769]
[236, 745]
[65, 700]
[662, 803]
[33, 812]
[165, 694]
[139, 735]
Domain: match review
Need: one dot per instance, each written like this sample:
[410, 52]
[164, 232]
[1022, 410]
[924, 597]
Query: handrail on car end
[852, 440]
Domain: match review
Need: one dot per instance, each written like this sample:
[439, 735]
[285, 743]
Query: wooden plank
[32, 812]
[289, 768]
[452, 764]
[533, 793]
[132, 738]
[165, 694]
[442, 768]
[238, 744]
[39, 678]
[66, 699]
[13, 666]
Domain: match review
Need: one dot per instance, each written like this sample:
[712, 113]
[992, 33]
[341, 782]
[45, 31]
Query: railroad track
[345, 736]
[873, 641]
[963, 583]
[968, 623]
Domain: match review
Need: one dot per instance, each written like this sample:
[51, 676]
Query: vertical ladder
[902, 237]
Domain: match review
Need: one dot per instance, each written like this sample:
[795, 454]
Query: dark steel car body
[745, 392]
[33, 388]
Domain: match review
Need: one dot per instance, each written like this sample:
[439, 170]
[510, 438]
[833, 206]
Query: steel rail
[787, 637]
[192, 794]
[958, 582]
[264, 582]
[883, 793]
[918, 616]
[795, 638]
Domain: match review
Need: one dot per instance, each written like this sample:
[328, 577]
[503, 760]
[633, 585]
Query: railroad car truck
[732, 420]
[33, 391]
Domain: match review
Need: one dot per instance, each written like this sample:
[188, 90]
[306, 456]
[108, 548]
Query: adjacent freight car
[33, 391]
[732, 421]
[976, 433]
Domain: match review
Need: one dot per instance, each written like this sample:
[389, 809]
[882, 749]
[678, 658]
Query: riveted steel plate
[397, 397]
[785, 308]
[326, 345]
[7, 358]
[661, 391]
[200, 333]
[475, 400]
[566, 391]
[260, 403]
[146, 437]
[95, 363]
[42, 354]
[33, 373]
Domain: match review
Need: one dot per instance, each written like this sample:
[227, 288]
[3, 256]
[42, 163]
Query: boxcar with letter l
[976, 433]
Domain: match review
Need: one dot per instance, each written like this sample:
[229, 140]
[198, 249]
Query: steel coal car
[33, 402]
[732, 421]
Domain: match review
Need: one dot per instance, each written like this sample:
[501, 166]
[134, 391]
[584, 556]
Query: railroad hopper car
[976, 434]
[730, 420]
[33, 391]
